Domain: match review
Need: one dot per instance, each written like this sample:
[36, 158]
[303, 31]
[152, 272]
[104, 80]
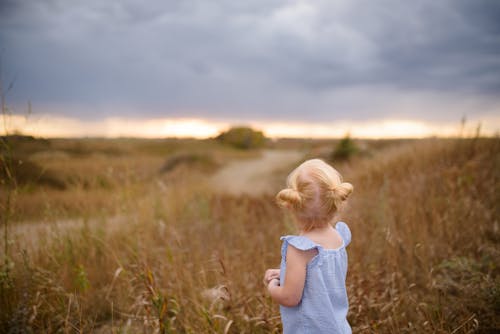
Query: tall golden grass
[182, 259]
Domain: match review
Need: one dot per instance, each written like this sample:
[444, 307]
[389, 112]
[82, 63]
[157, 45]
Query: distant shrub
[23, 145]
[345, 149]
[20, 138]
[243, 138]
[24, 172]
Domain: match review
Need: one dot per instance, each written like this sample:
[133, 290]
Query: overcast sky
[310, 61]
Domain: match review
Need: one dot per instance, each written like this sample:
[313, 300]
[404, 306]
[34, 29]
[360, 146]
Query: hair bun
[289, 198]
[342, 191]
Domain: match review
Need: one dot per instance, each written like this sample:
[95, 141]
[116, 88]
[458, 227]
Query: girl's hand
[270, 275]
[272, 283]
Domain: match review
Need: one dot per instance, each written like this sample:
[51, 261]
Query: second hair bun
[289, 198]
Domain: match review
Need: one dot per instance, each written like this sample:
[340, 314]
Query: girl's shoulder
[344, 232]
[299, 242]
[304, 243]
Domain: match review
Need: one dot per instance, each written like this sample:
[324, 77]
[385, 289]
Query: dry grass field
[129, 236]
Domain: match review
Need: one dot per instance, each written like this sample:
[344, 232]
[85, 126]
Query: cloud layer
[310, 61]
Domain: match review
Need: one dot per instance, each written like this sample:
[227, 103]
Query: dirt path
[251, 176]
[254, 176]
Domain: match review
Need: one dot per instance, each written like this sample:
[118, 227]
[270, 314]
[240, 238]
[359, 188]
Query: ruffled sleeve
[298, 242]
[344, 232]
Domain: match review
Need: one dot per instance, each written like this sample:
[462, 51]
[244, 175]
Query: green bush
[23, 145]
[345, 149]
[243, 138]
[20, 171]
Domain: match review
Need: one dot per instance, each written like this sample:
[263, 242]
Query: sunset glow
[55, 126]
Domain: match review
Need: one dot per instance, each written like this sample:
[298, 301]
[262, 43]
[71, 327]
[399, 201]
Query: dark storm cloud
[260, 59]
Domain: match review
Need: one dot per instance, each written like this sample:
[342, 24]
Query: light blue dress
[323, 307]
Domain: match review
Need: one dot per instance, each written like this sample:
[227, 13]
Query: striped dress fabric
[324, 305]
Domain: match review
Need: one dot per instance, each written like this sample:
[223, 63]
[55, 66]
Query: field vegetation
[149, 246]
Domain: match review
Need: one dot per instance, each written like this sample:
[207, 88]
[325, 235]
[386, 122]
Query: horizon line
[53, 126]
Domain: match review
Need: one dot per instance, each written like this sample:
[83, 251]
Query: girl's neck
[318, 229]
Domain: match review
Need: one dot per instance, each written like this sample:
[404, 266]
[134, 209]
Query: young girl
[310, 284]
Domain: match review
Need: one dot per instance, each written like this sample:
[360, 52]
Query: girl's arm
[290, 293]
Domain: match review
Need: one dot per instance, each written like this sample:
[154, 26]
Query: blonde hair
[315, 192]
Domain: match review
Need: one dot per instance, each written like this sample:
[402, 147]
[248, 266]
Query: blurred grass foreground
[129, 235]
